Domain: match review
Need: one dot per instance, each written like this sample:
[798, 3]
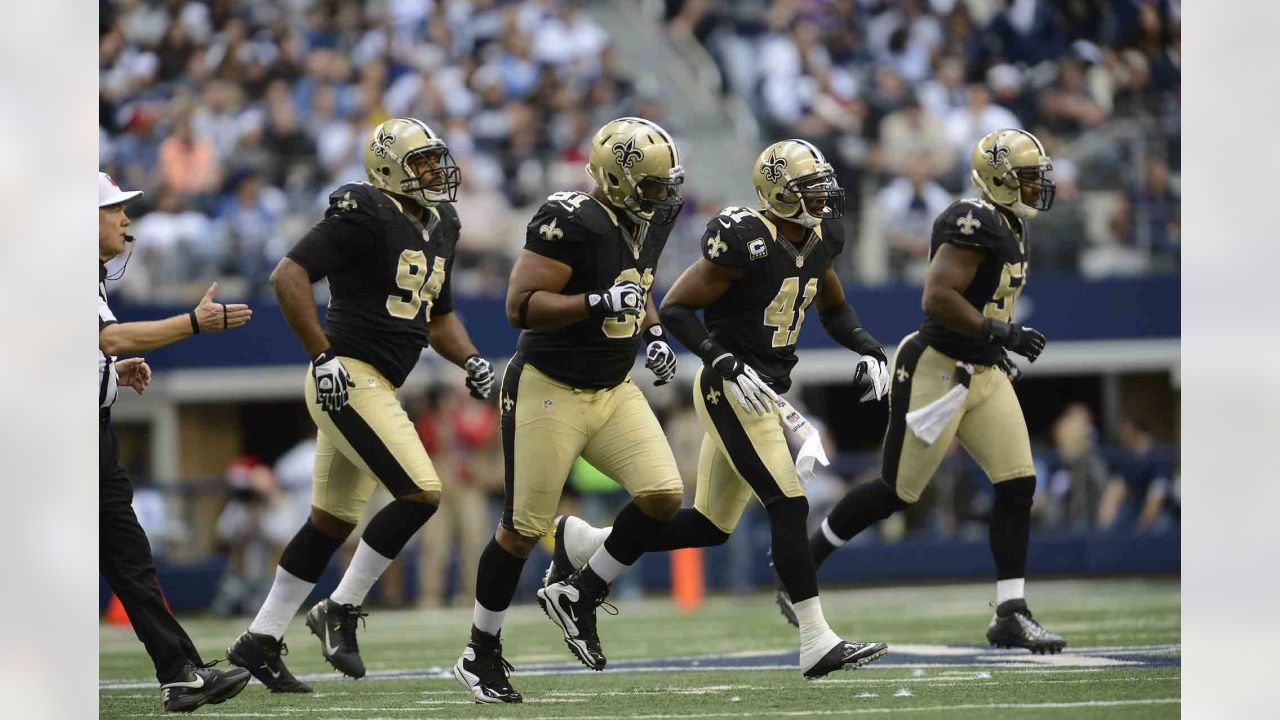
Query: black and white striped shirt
[107, 377]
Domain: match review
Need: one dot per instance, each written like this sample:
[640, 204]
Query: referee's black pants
[124, 558]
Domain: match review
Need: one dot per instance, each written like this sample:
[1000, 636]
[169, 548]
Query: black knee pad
[391, 529]
[308, 553]
[789, 509]
[1017, 494]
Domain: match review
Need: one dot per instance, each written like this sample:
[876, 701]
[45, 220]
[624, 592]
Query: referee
[124, 554]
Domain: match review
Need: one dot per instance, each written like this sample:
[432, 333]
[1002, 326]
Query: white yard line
[693, 716]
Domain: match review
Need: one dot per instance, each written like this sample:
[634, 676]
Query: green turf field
[733, 658]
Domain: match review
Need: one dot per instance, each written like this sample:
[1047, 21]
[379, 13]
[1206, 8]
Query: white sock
[288, 592]
[816, 637]
[581, 541]
[1011, 589]
[830, 534]
[367, 565]
[605, 565]
[486, 620]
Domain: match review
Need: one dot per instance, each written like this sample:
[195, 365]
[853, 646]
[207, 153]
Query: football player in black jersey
[952, 377]
[386, 248]
[580, 291]
[759, 272]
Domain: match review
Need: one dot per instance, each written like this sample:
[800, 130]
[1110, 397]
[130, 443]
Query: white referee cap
[109, 193]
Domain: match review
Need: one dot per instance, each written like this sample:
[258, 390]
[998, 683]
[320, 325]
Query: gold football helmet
[636, 165]
[1009, 167]
[405, 157]
[794, 182]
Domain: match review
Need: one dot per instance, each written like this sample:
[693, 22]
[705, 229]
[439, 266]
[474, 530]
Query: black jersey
[978, 225]
[579, 231]
[387, 274]
[758, 319]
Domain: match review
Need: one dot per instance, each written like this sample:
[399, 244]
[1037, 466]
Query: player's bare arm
[292, 284]
[533, 294]
[450, 339]
[208, 316]
[951, 271]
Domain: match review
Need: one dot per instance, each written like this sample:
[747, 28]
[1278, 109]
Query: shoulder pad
[360, 200]
[970, 222]
[564, 217]
[728, 235]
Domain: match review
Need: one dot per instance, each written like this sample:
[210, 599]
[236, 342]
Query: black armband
[685, 326]
[523, 316]
[195, 323]
[842, 324]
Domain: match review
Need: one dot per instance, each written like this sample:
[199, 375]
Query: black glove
[479, 377]
[1006, 365]
[624, 299]
[332, 381]
[1026, 341]
[659, 357]
[747, 387]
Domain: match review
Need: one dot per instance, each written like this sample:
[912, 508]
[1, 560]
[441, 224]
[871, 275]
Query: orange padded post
[688, 583]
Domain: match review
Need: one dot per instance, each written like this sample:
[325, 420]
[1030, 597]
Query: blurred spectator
[461, 435]
[1135, 500]
[1075, 485]
[908, 206]
[241, 533]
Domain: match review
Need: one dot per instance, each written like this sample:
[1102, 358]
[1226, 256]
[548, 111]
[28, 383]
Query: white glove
[747, 387]
[332, 381]
[479, 377]
[871, 374]
[623, 299]
[658, 355]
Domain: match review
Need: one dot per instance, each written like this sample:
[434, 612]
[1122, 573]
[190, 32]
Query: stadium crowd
[238, 118]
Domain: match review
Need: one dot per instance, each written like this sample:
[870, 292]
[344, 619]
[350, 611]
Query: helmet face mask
[636, 166]
[405, 157]
[794, 182]
[1011, 169]
[432, 175]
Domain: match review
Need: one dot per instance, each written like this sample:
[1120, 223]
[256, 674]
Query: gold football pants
[547, 424]
[370, 440]
[990, 425]
[742, 455]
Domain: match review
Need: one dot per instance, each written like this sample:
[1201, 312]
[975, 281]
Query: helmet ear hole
[384, 170]
[613, 180]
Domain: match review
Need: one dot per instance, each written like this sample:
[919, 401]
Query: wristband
[654, 333]
[195, 324]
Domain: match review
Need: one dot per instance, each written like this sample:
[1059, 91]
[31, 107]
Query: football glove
[479, 377]
[872, 376]
[1006, 364]
[746, 386]
[624, 299]
[658, 355]
[1026, 341]
[332, 381]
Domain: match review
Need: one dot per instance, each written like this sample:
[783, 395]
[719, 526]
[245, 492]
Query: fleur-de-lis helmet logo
[772, 168]
[627, 154]
[382, 143]
[996, 154]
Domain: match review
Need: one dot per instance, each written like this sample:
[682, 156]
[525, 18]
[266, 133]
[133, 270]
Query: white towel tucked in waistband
[811, 450]
[927, 422]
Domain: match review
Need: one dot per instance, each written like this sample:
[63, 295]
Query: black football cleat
[560, 568]
[262, 656]
[572, 607]
[484, 672]
[846, 656]
[1013, 627]
[335, 625]
[201, 685]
